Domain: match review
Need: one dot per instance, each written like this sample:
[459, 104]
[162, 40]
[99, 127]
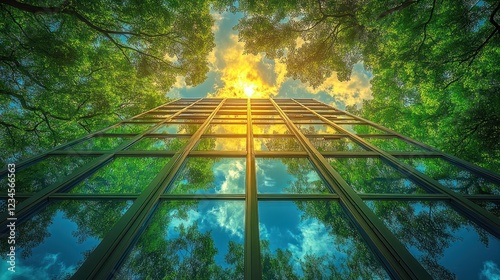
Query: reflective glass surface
[393, 145]
[372, 175]
[134, 128]
[203, 175]
[277, 144]
[190, 240]
[226, 129]
[492, 206]
[343, 144]
[54, 242]
[221, 144]
[270, 129]
[448, 245]
[362, 129]
[312, 240]
[316, 129]
[46, 172]
[177, 128]
[452, 176]
[98, 143]
[159, 143]
[288, 175]
[122, 175]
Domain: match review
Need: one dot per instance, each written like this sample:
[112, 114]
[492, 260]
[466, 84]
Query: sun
[249, 89]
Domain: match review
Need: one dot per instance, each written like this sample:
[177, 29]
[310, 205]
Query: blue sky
[235, 74]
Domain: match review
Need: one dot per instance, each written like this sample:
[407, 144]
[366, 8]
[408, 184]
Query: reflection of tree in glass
[46, 172]
[372, 175]
[393, 144]
[278, 144]
[348, 258]
[130, 128]
[93, 219]
[182, 251]
[491, 206]
[123, 175]
[430, 228]
[156, 143]
[453, 177]
[335, 145]
[98, 143]
[307, 179]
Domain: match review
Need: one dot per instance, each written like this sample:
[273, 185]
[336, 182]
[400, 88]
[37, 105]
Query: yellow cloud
[247, 75]
[351, 92]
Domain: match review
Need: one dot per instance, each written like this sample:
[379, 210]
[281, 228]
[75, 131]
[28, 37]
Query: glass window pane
[98, 144]
[288, 175]
[316, 129]
[394, 145]
[343, 144]
[177, 128]
[277, 144]
[492, 206]
[270, 129]
[159, 143]
[452, 176]
[226, 129]
[448, 245]
[190, 240]
[362, 129]
[372, 175]
[46, 172]
[313, 240]
[221, 144]
[123, 175]
[134, 128]
[202, 175]
[55, 242]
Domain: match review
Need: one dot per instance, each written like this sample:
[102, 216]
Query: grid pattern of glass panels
[254, 189]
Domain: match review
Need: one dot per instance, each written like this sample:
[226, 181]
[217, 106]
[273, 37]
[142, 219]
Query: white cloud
[49, 267]
[230, 216]
[490, 271]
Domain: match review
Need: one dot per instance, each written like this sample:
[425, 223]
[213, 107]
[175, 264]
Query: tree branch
[425, 26]
[403, 5]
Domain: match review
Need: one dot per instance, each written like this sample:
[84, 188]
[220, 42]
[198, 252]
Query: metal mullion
[108, 254]
[252, 263]
[231, 154]
[398, 261]
[93, 196]
[298, 197]
[476, 213]
[262, 154]
[202, 197]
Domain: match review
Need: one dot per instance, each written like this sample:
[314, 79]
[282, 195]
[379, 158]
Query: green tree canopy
[71, 67]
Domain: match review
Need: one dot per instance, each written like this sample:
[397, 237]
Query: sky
[235, 74]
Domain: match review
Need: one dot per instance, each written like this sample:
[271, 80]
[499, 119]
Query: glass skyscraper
[251, 188]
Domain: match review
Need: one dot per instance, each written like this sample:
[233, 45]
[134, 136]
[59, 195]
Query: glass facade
[252, 189]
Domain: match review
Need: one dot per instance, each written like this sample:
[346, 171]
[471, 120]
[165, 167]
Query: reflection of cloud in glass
[230, 216]
[231, 173]
[490, 271]
[312, 240]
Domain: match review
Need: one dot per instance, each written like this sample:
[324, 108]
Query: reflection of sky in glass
[123, 175]
[98, 143]
[130, 128]
[372, 175]
[452, 176]
[203, 175]
[288, 175]
[316, 129]
[343, 144]
[447, 244]
[276, 144]
[54, 243]
[221, 144]
[312, 238]
[393, 145]
[46, 172]
[177, 128]
[189, 240]
[157, 143]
